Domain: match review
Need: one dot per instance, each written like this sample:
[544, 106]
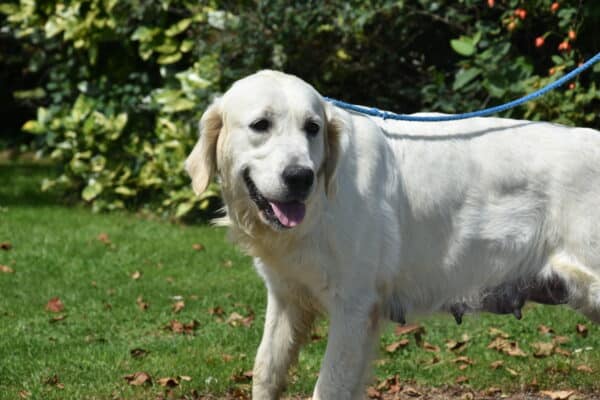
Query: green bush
[125, 82]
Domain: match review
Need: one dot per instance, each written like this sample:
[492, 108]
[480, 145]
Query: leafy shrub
[125, 82]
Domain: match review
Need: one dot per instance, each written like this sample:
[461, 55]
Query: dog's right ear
[201, 164]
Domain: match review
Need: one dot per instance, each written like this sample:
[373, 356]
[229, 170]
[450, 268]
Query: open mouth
[282, 214]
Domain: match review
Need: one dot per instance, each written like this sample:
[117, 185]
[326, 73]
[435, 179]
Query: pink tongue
[289, 214]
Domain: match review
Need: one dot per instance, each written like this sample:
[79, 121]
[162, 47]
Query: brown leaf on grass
[461, 379]
[507, 347]
[241, 377]
[497, 364]
[55, 305]
[227, 357]
[235, 319]
[142, 305]
[218, 311]
[390, 385]
[373, 393]
[184, 378]
[103, 237]
[198, 247]
[54, 381]
[58, 318]
[168, 382]
[562, 352]
[585, 368]
[464, 360]
[545, 330]
[495, 332]
[492, 391]
[391, 348]
[412, 392]
[23, 394]
[512, 371]
[581, 330]
[136, 275]
[462, 367]
[178, 306]
[5, 246]
[543, 349]
[138, 353]
[430, 347]
[454, 345]
[561, 340]
[6, 269]
[558, 394]
[138, 379]
[227, 263]
[178, 327]
[417, 330]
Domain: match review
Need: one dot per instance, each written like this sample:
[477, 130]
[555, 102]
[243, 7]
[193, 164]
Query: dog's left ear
[336, 126]
[201, 164]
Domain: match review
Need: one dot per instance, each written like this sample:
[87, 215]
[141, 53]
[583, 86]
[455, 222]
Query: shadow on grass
[20, 184]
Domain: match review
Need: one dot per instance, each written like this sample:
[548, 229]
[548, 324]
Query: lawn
[88, 299]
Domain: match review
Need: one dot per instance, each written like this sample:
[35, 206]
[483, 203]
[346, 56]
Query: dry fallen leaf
[495, 332]
[184, 378]
[236, 319]
[562, 352]
[23, 394]
[55, 305]
[54, 381]
[412, 392]
[543, 349]
[561, 339]
[545, 330]
[138, 379]
[142, 305]
[582, 330]
[430, 347]
[497, 364]
[454, 345]
[507, 347]
[512, 371]
[218, 311]
[461, 379]
[492, 391]
[585, 368]
[5, 246]
[138, 352]
[558, 394]
[390, 385]
[58, 318]
[103, 237]
[168, 382]
[391, 348]
[227, 357]
[245, 376]
[463, 359]
[178, 327]
[6, 269]
[178, 306]
[136, 275]
[373, 393]
[198, 247]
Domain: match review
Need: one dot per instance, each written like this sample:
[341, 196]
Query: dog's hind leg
[287, 326]
[582, 285]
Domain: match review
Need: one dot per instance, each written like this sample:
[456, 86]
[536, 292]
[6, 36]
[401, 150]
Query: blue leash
[375, 112]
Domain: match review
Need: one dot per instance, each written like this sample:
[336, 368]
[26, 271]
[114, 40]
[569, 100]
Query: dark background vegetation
[111, 91]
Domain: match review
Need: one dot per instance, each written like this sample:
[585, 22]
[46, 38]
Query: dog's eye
[311, 128]
[261, 125]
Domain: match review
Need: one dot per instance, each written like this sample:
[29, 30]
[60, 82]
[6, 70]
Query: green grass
[56, 252]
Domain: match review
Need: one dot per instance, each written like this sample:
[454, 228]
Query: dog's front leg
[352, 336]
[287, 326]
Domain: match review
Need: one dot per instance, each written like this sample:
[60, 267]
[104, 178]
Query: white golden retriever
[366, 220]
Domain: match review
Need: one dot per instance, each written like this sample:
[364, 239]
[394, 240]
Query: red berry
[551, 71]
[572, 85]
[539, 41]
[564, 46]
[572, 35]
[521, 13]
[554, 7]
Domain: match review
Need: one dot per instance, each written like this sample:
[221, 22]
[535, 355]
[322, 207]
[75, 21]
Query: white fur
[403, 215]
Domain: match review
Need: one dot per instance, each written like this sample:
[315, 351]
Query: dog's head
[274, 143]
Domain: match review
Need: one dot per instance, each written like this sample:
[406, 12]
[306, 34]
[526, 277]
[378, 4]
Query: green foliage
[125, 82]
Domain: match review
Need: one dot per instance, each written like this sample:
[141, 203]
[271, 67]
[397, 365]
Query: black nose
[298, 179]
